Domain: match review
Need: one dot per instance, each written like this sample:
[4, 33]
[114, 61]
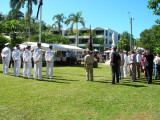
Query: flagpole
[40, 24]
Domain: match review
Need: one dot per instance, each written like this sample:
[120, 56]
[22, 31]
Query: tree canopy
[124, 42]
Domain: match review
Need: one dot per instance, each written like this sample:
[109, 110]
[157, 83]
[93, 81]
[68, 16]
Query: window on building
[72, 41]
[110, 42]
[83, 41]
[66, 33]
[83, 32]
[110, 34]
[106, 41]
[106, 32]
[99, 32]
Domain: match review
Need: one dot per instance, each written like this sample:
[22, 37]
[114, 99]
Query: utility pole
[40, 31]
[130, 31]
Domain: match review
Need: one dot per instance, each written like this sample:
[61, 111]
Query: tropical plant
[75, 19]
[15, 15]
[59, 19]
[12, 28]
[17, 4]
[124, 42]
[155, 6]
[3, 40]
[1, 26]
[150, 38]
[50, 38]
[2, 17]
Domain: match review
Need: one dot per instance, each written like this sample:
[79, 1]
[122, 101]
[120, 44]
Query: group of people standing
[70, 55]
[123, 65]
[27, 62]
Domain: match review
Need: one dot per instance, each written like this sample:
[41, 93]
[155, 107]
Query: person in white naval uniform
[6, 57]
[16, 56]
[27, 54]
[37, 58]
[125, 64]
[49, 57]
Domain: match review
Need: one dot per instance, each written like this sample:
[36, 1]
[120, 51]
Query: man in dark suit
[115, 63]
[149, 68]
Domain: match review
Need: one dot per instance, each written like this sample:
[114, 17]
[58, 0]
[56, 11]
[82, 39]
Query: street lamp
[131, 31]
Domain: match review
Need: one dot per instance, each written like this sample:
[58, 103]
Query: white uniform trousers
[49, 70]
[27, 69]
[121, 69]
[5, 66]
[38, 70]
[125, 70]
[17, 68]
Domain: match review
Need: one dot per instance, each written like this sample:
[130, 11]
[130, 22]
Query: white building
[105, 33]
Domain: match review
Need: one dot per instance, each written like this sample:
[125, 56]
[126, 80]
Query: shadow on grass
[102, 81]
[144, 80]
[44, 80]
[131, 85]
[55, 78]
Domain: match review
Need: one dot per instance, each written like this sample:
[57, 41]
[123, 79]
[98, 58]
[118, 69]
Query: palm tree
[17, 4]
[75, 18]
[15, 15]
[59, 19]
[12, 28]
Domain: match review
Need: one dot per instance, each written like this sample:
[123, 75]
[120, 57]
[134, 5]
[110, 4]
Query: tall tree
[15, 15]
[2, 17]
[150, 38]
[59, 19]
[155, 6]
[75, 18]
[124, 43]
[17, 4]
[12, 28]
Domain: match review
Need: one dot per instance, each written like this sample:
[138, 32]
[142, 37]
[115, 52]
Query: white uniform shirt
[16, 55]
[27, 54]
[138, 58]
[125, 60]
[133, 58]
[68, 54]
[129, 58]
[6, 52]
[49, 56]
[37, 55]
[157, 60]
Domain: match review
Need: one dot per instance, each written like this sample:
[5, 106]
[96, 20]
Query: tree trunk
[77, 41]
[29, 34]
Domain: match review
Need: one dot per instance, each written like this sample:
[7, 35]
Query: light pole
[131, 31]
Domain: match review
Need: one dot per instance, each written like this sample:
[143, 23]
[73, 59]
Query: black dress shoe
[112, 83]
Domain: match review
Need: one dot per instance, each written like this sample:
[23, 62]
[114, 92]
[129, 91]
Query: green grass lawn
[70, 97]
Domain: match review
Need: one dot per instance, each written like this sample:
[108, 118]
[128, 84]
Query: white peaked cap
[6, 44]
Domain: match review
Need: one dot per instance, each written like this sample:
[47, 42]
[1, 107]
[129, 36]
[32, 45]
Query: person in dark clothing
[149, 68]
[115, 63]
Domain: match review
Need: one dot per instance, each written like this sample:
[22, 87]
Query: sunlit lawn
[70, 97]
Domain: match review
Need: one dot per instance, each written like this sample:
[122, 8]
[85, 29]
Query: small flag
[40, 3]
[90, 40]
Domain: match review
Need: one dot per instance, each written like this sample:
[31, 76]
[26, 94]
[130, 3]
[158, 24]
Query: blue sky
[111, 14]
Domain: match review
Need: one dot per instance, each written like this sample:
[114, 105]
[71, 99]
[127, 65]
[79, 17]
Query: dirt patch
[141, 116]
